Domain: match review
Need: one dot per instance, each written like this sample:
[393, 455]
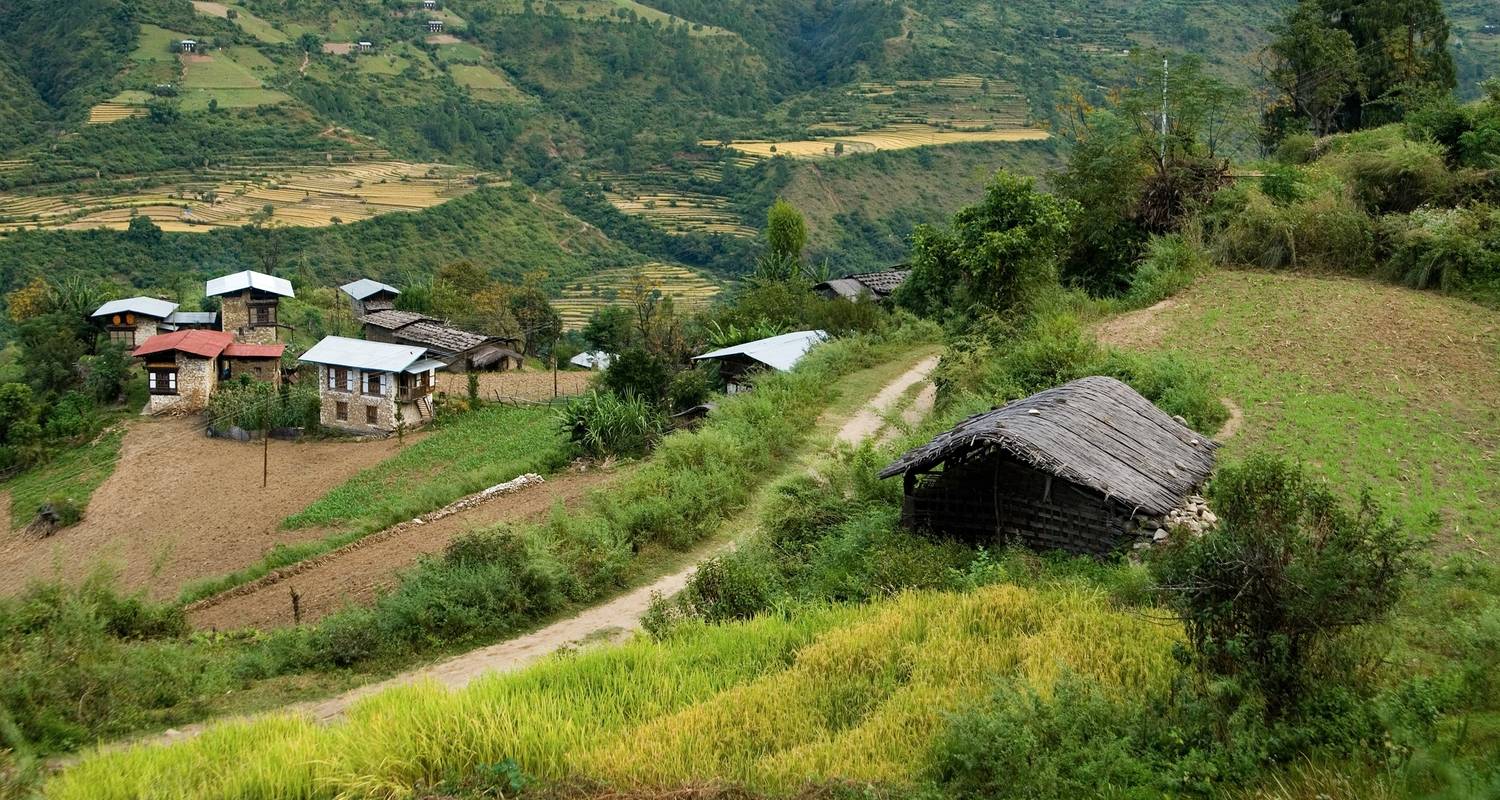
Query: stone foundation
[1192, 518]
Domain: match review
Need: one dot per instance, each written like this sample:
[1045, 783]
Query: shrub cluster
[258, 405]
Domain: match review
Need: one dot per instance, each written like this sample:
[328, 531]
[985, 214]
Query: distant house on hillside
[777, 352]
[460, 350]
[249, 305]
[364, 47]
[434, 26]
[187, 46]
[595, 359]
[367, 296]
[361, 383]
[133, 319]
[429, 4]
[1070, 468]
[874, 285]
[184, 367]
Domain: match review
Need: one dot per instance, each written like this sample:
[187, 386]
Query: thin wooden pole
[265, 457]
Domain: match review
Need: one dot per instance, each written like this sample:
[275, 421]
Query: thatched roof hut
[1065, 468]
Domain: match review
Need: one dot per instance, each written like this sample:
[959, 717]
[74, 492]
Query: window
[372, 414]
[162, 380]
[125, 336]
[341, 411]
[263, 315]
[372, 383]
[339, 379]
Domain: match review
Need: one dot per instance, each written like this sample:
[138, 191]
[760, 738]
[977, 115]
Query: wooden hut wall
[998, 497]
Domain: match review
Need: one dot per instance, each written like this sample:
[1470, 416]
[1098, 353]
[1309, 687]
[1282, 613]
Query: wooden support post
[265, 457]
[296, 608]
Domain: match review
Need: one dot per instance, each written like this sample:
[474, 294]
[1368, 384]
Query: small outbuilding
[250, 303]
[594, 359]
[1065, 469]
[184, 368]
[192, 320]
[362, 384]
[459, 350]
[777, 352]
[367, 296]
[133, 320]
[875, 286]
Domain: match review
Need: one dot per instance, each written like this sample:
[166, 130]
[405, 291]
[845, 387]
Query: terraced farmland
[690, 291]
[674, 210]
[110, 111]
[892, 137]
[311, 196]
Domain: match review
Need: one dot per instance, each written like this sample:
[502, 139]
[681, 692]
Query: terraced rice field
[311, 196]
[108, 111]
[892, 137]
[690, 291]
[674, 210]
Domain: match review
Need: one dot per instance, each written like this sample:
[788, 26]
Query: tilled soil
[182, 507]
[360, 574]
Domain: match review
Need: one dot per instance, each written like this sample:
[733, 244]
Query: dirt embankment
[182, 507]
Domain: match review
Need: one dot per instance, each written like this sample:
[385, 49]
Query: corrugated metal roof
[249, 279]
[597, 359]
[780, 352]
[193, 317]
[341, 351]
[204, 344]
[364, 287]
[424, 365]
[145, 306]
[391, 319]
[243, 350]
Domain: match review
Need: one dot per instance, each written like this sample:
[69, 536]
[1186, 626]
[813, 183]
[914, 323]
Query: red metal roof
[242, 350]
[204, 344]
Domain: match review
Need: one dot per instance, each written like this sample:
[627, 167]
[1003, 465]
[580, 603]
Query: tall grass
[826, 693]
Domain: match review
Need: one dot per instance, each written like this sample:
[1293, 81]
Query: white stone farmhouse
[184, 367]
[361, 384]
[367, 296]
[250, 303]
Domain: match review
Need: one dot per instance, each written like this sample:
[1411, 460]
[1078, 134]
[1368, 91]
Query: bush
[638, 373]
[1287, 571]
[1398, 178]
[689, 388]
[1170, 264]
[1450, 249]
[604, 424]
[258, 405]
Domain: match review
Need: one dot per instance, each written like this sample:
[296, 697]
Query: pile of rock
[1192, 517]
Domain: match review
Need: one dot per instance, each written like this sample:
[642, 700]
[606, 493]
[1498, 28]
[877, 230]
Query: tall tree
[1314, 66]
[786, 235]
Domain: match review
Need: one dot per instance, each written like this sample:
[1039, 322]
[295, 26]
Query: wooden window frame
[258, 309]
[372, 415]
[152, 379]
[375, 379]
[341, 411]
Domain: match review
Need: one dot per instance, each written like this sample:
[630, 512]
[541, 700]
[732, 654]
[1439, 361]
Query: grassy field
[247, 22]
[893, 137]
[74, 474]
[689, 290]
[301, 195]
[1369, 385]
[485, 83]
[155, 44]
[611, 10]
[851, 692]
[475, 451]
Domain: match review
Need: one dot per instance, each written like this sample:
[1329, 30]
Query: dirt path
[358, 575]
[870, 419]
[1232, 425]
[608, 621]
[181, 507]
[1136, 328]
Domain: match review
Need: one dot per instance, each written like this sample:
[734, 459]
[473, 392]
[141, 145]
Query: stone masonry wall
[385, 405]
[234, 315]
[196, 379]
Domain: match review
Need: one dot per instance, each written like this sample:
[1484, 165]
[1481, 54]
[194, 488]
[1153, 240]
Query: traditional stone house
[188, 46]
[367, 296]
[459, 350]
[134, 319]
[875, 286]
[434, 26]
[429, 4]
[249, 304]
[184, 367]
[364, 47]
[362, 384]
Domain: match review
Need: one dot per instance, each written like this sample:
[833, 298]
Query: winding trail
[611, 620]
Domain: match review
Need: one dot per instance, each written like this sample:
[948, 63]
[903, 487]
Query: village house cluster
[366, 386]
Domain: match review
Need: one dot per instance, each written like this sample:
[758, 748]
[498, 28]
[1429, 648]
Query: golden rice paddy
[892, 137]
[298, 195]
[690, 291]
[854, 693]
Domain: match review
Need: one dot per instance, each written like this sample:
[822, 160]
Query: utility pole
[1163, 110]
[265, 456]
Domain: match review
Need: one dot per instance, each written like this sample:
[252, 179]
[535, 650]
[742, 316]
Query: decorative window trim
[162, 380]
